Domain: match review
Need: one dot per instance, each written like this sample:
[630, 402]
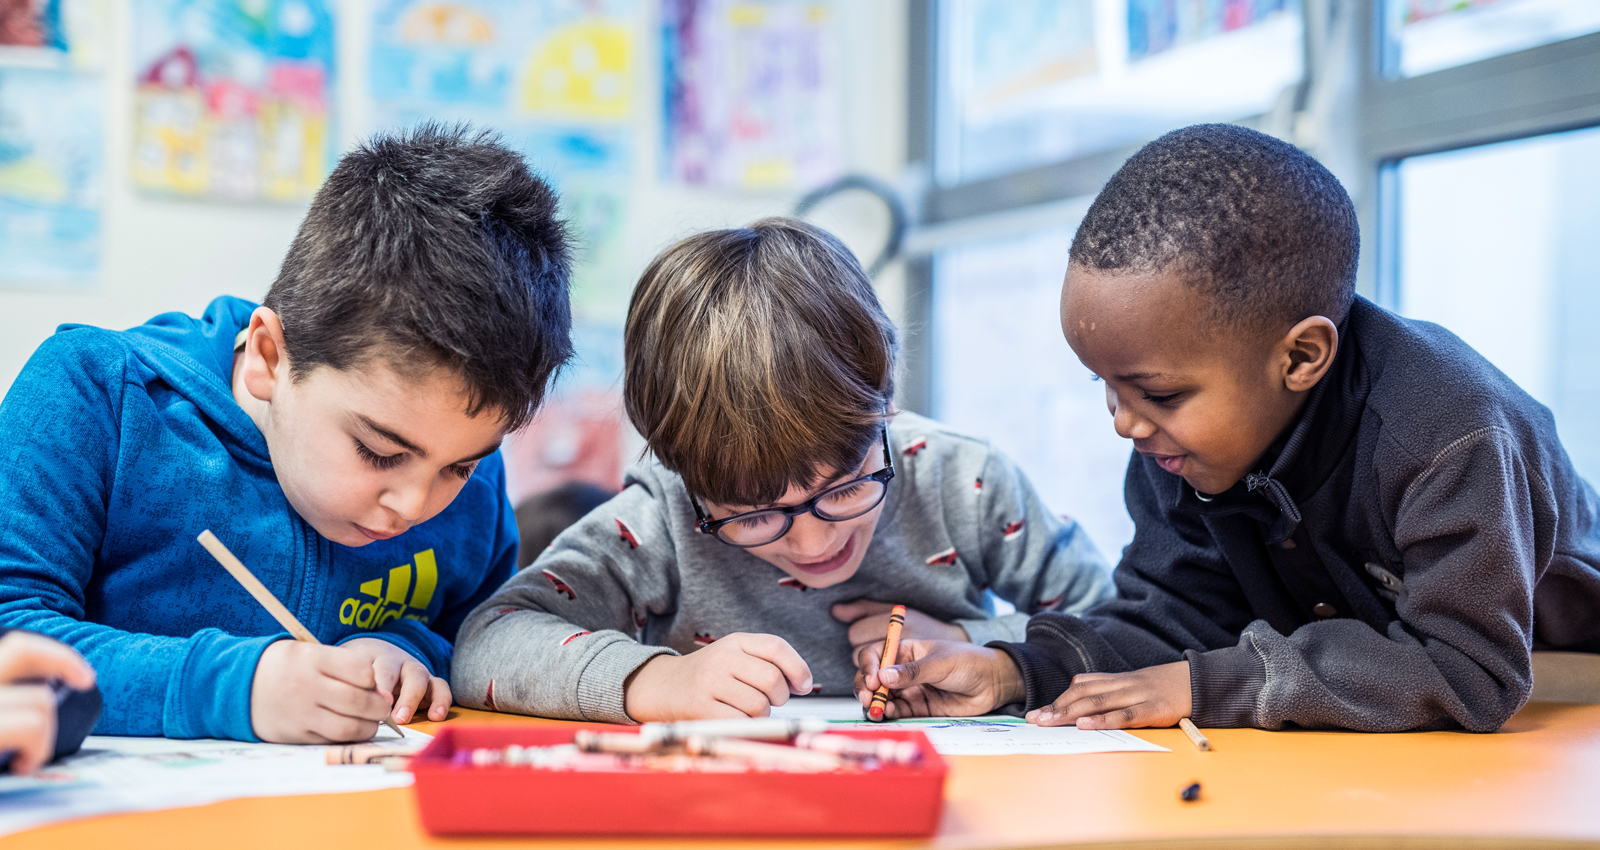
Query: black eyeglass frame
[883, 476]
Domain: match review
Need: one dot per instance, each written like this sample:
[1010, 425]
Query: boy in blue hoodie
[340, 438]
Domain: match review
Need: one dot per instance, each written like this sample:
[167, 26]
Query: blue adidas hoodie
[118, 448]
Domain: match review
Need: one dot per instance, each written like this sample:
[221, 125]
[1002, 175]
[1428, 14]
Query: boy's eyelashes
[378, 461]
[1160, 399]
[387, 462]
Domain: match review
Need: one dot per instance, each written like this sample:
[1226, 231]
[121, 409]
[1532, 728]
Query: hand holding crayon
[891, 646]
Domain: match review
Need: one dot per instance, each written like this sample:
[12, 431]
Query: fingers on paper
[415, 682]
[778, 654]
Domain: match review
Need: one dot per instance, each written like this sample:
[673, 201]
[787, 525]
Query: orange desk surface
[1536, 783]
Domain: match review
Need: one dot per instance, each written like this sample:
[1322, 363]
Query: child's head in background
[418, 317]
[760, 368]
[1206, 286]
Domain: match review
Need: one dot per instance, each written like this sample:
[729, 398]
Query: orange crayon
[891, 646]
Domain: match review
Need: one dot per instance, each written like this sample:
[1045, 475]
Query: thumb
[849, 612]
[916, 672]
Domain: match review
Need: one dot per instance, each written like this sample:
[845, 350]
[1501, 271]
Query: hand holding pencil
[305, 692]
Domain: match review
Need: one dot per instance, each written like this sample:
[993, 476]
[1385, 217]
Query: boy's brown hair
[758, 359]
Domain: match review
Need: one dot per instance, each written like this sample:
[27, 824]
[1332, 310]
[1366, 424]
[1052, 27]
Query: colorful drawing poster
[52, 167]
[234, 98]
[1017, 49]
[563, 60]
[751, 93]
[1421, 10]
[1156, 26]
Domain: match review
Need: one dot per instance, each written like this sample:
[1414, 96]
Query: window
[1498, 244]
[1035, 81]
[1430, 35]
[1004, 372]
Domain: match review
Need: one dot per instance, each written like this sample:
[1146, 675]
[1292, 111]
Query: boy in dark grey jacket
[1345, 519]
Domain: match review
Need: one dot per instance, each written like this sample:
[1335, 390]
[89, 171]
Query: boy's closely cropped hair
[341, 438]
[1344, 518]
[783, 508]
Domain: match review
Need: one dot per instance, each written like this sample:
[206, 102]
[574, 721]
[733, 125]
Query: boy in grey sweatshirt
[784, 510]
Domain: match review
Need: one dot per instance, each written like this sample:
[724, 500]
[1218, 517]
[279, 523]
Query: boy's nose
[409, 501]
[1129, 425]
[810, 538]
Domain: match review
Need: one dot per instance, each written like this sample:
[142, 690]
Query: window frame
[1381, 121]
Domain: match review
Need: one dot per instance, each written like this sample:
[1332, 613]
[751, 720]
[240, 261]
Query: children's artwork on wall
[562, 60]
[751, 97]
[1156, 26]
[234, 98]
[52, 167]
[1019, 50]
[53, 33]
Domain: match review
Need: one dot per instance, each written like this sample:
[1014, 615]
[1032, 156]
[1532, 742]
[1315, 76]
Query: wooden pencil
[1200, 741]
[242, 574]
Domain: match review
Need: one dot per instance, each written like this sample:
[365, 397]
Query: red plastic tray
[893, 800]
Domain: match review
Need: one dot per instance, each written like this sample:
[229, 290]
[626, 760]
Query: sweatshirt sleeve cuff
[211, 698]
[1010, 627]
[1042, 678]
[1225, 686]
[602, 682]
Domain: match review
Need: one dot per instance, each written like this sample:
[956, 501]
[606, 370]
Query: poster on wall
[233, 98]
[751, 96]
[1156, 26]
[557, 81]
[52, 172]
[52, 160]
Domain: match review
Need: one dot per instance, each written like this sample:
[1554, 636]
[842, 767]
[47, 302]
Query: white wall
[163, 254]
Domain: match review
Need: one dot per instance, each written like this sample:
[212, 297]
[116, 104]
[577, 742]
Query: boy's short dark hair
[758, 359]
[428, 248]
[1252, 222]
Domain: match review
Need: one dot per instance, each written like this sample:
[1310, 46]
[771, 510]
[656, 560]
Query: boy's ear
[266, 366]
[1309, 348]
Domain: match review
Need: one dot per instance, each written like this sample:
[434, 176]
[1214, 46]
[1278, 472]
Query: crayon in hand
[891, 646]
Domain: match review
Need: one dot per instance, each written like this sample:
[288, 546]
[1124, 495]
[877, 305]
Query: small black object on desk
[1190, 792]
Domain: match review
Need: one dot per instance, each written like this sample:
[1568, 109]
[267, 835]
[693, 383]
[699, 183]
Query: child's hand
[418, 687]
[869, 623]
[304, 693]
[936, 678]
[1154, 696]
[741, 675]
[28, 712]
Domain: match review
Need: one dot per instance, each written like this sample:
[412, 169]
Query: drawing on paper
[752, 93]
[51, 175]
[234, 97]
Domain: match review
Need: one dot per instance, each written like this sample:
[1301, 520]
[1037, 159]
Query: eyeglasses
[835, 504]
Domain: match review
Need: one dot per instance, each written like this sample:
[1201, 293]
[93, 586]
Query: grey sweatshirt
[636, 578]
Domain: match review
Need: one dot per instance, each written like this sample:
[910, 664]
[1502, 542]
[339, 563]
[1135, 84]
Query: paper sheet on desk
[990, 735]
[112, 774]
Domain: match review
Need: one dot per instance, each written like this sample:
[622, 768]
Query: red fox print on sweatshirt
[561, 586]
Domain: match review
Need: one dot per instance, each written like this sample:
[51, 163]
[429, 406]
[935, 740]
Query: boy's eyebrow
[409, 446]
[1144, 376]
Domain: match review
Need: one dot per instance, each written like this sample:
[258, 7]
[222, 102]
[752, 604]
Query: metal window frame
[1532, 92]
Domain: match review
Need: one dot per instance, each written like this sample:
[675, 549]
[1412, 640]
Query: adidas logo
[382, 600]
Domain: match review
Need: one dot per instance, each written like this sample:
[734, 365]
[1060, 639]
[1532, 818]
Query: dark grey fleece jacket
[1417, 533]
